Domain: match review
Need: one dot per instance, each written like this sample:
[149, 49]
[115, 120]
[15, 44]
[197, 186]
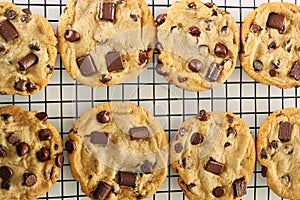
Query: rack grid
[64, 100]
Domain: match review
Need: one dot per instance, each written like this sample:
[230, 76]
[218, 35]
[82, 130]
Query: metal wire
[65, 99]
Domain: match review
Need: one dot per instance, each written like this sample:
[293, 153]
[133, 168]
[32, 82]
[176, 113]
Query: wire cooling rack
[64, 100]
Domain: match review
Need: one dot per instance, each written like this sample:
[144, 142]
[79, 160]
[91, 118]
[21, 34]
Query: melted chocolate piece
[239, 187]
[138, 133]
[107, 11]
[214, 167]
[8, 31]
[101, 138]
[86, 65]
[114, 61]
[127, 179]
[102, 191]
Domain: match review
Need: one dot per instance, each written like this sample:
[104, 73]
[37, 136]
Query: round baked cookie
[198, 45]
[214, 155]
[30, 154]
[27, 51]
[107, 42]
[118, 151]
[278, 152]
[271, 44]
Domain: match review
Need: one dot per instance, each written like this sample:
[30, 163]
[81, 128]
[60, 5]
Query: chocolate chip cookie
[118, 151]
[30, 154]
[106, 42]
[27, 51]
[271, 44]
[278, 152]
[198, 45]
[214, 155]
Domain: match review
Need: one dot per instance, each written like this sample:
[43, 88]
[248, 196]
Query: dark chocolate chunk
[5, 172]
[70, 146]
[239, 187]
[195, 31]
[182, 79]
[34, 46]
[22, 149]
[190, 186]
[30, 87]
[28, 61]
[5, 185]
[258, 66]
[203, 116]
[276, 21]
[5, 117]
[220, 50]
[215, 13]
[209, 4]
[284, 131]
[197, 138]
[273, 72]
[295, 71]
[105, 79]
[192, 5]
[214, 72]
[264, 171]
[29, 179]
[255, 28]
[178, 147]
[182, 131]
[13, 139]
[231, 131]
[273, 144]
[59, 160]
[263, 154]
[72, 36]
[137, 133]
[103, 116]
[114, 61]
[86, 65]
[107, 11]
[147, 167]
[26, 11]
[143, 57]
[218, 192]
[195, 65]
[25, 18]
[214, 167]
[8, 31]
[10, 14]
[160, 19]
[230, 118]
[3, 150]
[127, 179]
[272, 45]
[43, 154]
[45, 134]
[102, 191]
[134, 17]
[159, 47]
[227, 144]
[55, 146]
[99, 138]
[42, 116]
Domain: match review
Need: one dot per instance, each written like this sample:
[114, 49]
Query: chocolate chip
[5, 172]
[105, 79]
[2, 48]
[13, 139]
[72, 36]
[102, 191]
[284, 131]
[30, 87]
[182, 79]
[5, 185]
[147, 167]
[8, 31]
[28, 61]
[195, 31]
[224, 30]
[273, 145]
[159, 47]
[214, 167]
[127, 179]
[227, 144]
[197, 138]
[215, 13]
[59, 160]
[209, 5]
[258, 66]
[182, 131]
[272, 45]
[289, 49]
[220, 50]
[107, 11]
[137, 133]
[295, 71]
[134, 17]
[29, 179]
[231, 131]
[22, 149]
[255, 28]
[42, 116]
[5, 117]
[25, 18]
[26, 11]
[178, 147]
[55, 146]
[214, 72]
[158, 69]
[195, 65]
[192, 5]
[239, 187]
[45, 134]
[43, 154]
[160, 19]
[70, 146]
[273, 72]
[114, 61]
[99, 138]
[276, 21]
[10, 14]
[50, 69]
[264, 171]
[34, 46]
[3, 151]
[103, 116]
[190, 186]
[143, 57]
[86, 65]
[230, 118]
[203, 116]
[218, 191]
[263, 154]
